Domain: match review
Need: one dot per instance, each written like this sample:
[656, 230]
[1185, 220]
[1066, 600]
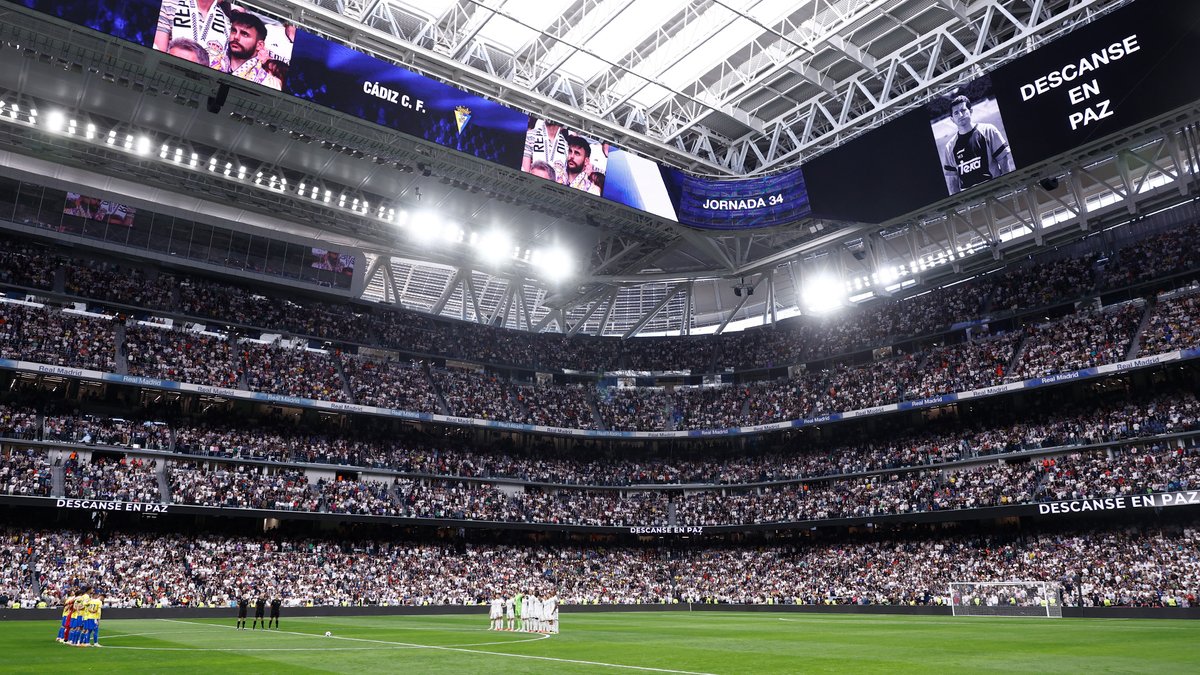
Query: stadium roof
[721, 88]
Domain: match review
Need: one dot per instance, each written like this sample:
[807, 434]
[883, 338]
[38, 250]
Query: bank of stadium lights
[425, 226]
[494, 246]
[56, 121]
[823, 293]
[451, 233]
[553, 263]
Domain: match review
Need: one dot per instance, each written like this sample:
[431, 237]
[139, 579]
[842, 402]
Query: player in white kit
[537, 615]
[526, 612]
[550, 610]
[509, 613]
[496, 613]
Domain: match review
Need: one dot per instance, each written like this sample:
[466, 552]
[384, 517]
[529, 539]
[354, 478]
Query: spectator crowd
[1151, 567]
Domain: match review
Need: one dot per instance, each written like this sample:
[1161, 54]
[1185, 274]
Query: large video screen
[969, 135]
[97, 209]
[332, 261]
[565, 156]
[131, 20]
[1130, 66]
[228, 37]
[1120, 70]
[779, 199]
[340, 78]
[637, 182]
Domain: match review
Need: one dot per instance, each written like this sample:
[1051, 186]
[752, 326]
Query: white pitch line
[261, 649]
[157, 632]
[893, 622]
[478, 651]
[863, 619]
[291, 649]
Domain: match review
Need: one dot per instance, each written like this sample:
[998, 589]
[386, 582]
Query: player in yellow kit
[91, 621]
[76, 629]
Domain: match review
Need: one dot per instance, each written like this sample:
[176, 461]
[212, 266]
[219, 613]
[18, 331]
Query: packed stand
[19, 423]
[421, 334]
[125, 285]
[482, 501]
[1043, 283]
[1160, 255]
[292, 371]
[1014, 288]
[181, 356]
[327, 320]
[56, 338]
[1018, 481]
[1147, 567]
[965, 366]
[484, 396]
[126, 479]
[408, 332]
[1174, 324]
[893, 494]
[553, 405]
[836, 389]
[365, 497]
[240, 487]
[1163, 414]
[23, 264]
[633, 409]
[1078, 341]
[25, 473]
[708, 407]
[669, 353]
[93, 430]
[18, 565]
[871, 326]
[579, 352]
[1132, 470]
[388, 384]
[282, 443]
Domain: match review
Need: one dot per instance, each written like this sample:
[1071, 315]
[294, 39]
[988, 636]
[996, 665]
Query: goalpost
[1006, 598]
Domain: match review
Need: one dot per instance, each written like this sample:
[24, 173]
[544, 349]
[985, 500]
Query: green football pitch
[626, 642]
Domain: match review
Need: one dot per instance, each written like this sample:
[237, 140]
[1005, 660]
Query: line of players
[260, 605]
[81, 619]
[525, 613]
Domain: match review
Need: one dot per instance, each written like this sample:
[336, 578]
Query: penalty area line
[465, 650]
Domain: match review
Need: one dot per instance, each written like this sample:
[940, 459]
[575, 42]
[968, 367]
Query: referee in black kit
[275, 603]
[243, 604]
[260, 606]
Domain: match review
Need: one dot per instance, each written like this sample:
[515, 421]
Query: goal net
[1006, 598]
